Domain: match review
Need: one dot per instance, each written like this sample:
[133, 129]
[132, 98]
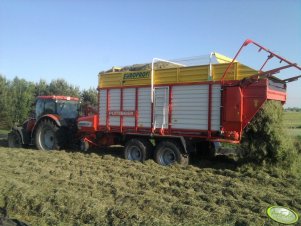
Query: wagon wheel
[168, 153]
[138, 150]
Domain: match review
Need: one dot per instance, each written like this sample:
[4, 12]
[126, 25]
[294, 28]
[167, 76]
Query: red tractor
[51, 126]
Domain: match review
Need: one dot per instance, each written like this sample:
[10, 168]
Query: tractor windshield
[67, 109]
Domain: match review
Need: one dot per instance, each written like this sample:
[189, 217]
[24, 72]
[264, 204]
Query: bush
[265, 140]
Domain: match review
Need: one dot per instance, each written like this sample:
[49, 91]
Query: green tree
[17, 96]
[89, 96]
[63, 88]
[22, 93]
[89, 101]
[41, 88]
[5, 102]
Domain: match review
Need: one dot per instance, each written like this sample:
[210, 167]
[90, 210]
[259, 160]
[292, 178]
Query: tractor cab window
[67, 109]
[49, 107]
[39, 108]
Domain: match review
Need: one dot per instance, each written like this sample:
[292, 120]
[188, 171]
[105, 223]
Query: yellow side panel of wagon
[166, 76]
[244, 71]
[110, 80]
[194, 74]
[175, 75]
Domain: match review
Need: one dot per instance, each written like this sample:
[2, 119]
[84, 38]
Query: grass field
[51, 188]
[292, 121]
[101, 188]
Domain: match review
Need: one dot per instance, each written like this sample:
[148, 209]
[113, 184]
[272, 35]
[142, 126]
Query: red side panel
[233, 104]
[87, 123]
[241, 103]
[232, 112]
[276, 95]
[240, 106]
[276, 90]
[254, 97]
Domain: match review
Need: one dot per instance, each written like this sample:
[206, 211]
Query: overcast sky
[76, 39]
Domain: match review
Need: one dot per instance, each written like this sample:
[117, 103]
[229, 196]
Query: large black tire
[48, 136]
[14, 139]
[138, 150]
[168, 153]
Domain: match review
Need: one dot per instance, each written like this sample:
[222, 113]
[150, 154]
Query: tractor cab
[64, 107]
[51, 126]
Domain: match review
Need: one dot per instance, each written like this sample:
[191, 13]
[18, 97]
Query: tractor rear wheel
[14, 139]
[47, 136]
[138, 150]
[169, 153]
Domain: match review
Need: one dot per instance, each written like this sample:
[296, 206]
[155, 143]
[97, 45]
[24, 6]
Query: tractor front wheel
[47, 136]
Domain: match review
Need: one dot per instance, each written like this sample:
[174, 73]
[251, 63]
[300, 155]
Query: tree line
[295, 109]
[18, 95]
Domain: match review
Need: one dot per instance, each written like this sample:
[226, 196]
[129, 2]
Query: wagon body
[178, 109]
[184, 102]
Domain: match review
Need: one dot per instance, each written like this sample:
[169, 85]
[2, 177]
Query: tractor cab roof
[53, 97]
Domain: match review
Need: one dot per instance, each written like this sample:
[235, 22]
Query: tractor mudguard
[52, 117]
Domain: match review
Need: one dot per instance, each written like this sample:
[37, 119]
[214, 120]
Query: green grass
[4, 132]
[101, 188]
[67, 188]
[292, 121]
[294, 133]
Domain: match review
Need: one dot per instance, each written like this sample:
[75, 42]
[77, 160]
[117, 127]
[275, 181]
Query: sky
[76, 39]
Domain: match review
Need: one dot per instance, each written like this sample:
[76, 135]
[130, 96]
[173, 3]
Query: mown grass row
[67, 188]
[72, 188]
